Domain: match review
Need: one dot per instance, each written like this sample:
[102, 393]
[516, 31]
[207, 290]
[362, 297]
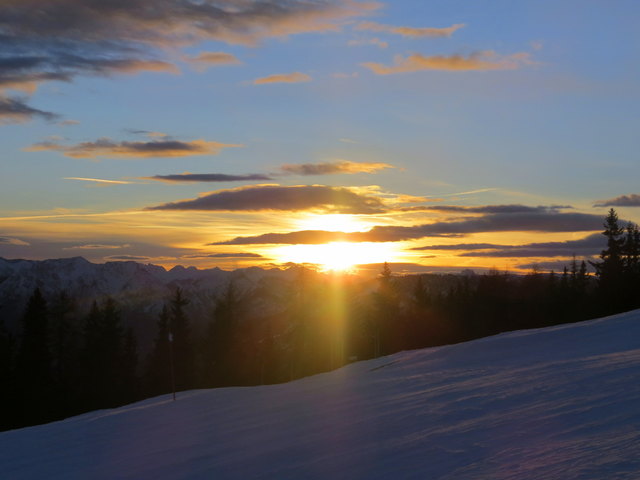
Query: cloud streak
[16, 110]
[225, 255]
[206, 60]
[99, 180]
[588, 246]
[207, 177]
[479, 61]
[281, 198]
[105, 147]
[410, 31]
[329, 168]
[295, 77]
[13, 241]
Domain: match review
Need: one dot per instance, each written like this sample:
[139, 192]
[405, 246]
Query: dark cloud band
[281, 198]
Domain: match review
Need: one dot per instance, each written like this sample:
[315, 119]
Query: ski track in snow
[555, 403]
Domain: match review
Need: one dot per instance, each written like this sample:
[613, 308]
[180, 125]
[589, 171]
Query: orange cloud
[410, 31]
[105, 147]
[99, 181]
[295, 77]
[211, 59]
[479, 61]
[328, 168]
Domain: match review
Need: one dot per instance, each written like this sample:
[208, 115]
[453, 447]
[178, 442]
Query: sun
[337, 256]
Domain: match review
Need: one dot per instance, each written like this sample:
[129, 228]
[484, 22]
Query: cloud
[557, 265]
[295, 77]
[96, 246]
[307, 237]
[15, 110]
[329, 168]
[510, 209]
[479, 61]
[206, 60]
[588, 246]
[105, 147]
[632, 200]
[13, 241]
[281, 198]
[225, 255]
[207, 177]
[368, 41]
[410, 31]
[44, 40]
[536, 221]
[128, 258]
[99, 180]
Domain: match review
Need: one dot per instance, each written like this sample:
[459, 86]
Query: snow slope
[555, 403]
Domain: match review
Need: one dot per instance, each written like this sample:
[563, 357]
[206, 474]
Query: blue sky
[458, 103]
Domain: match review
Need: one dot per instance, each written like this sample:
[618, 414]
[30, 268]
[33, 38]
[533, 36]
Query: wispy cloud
[588, 246]
[632, 200]
[128, 258]
[225, 255]
[410, 31]
[479, 61]
[97, 246]
[206, 60]
[105, 147]
[328, 168]
[16, 110]
[13, 241]
[295, 77]
[281, 198]
[99, 180]
[207, 177]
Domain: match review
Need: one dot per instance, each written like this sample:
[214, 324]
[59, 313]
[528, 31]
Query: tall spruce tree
[610, 269]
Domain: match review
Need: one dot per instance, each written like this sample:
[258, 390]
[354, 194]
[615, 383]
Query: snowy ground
[556, 403]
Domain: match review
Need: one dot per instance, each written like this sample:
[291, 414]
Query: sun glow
[340, 256]
[333, 223]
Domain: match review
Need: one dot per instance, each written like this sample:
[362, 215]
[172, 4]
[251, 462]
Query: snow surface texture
[554, 403]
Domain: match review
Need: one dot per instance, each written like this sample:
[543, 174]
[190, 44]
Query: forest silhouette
[62, 363]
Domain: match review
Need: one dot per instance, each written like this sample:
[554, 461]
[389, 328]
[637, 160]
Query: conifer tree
[183, 352]
[66, 354]
[8, 399]
[33, 363]
[222, 336]
[158, 374]
[610, 269]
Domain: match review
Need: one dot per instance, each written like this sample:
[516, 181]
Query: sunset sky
[435, 135]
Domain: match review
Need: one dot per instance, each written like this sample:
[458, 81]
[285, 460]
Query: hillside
[560, 402]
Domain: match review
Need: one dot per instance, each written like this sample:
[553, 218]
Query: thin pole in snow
[173, 376]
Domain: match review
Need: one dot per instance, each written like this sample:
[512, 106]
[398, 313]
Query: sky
[434, 135]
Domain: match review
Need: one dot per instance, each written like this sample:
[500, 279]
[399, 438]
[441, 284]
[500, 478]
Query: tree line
[63, 363]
